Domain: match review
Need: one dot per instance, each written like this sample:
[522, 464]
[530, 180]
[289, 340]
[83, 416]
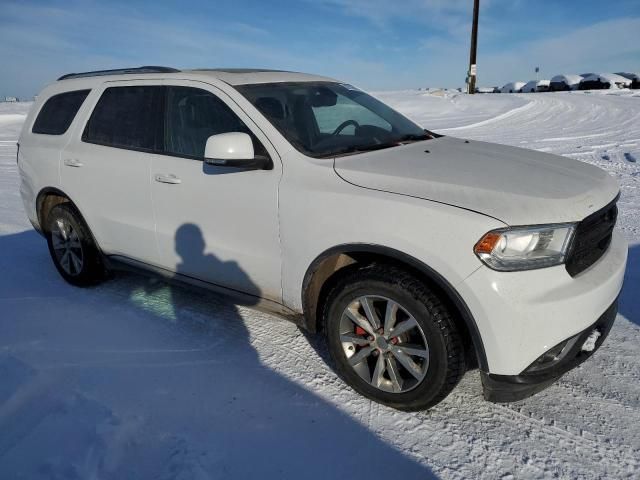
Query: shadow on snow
[140, 379]
[630, 295]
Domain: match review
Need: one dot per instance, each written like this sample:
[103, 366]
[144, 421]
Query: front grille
[592, 238]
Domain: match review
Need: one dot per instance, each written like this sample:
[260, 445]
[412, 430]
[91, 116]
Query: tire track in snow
[503, 116]
[614, 455]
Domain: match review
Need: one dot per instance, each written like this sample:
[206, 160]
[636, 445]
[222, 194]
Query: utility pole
[473, 69]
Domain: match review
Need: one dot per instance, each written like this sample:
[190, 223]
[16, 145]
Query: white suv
[417, 255]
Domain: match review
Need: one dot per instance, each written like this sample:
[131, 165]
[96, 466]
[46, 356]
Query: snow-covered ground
[134, 379]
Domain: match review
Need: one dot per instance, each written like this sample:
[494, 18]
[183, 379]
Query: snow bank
[454, 110]
[18, 108]
[12, 116]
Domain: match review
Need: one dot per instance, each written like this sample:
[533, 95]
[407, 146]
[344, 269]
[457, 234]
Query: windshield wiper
[412, 137]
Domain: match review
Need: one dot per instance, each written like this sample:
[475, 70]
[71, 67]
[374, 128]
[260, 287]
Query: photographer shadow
[249, 419]
[629, 300]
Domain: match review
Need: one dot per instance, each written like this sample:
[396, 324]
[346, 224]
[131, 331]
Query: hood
[514, 185]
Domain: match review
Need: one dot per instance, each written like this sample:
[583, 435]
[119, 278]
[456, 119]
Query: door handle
[167, 178]
[72, 162]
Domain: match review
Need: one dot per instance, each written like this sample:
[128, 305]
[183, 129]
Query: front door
[213, 223]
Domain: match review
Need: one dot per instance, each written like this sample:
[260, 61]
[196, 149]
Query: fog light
[548, 358]
[552, 354]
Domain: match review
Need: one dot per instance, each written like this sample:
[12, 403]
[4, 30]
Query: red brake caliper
[360, 331]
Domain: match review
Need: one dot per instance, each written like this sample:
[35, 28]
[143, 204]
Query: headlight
[525, 248]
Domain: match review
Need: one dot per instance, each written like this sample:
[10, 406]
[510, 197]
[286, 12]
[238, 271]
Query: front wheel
[392, 339]
[72, 248]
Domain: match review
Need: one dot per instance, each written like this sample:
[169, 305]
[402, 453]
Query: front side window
[325, 119]
[128, 117]
[58, 112]
[192, 116]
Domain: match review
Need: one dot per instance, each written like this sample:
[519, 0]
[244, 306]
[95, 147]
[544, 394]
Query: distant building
[10, 99]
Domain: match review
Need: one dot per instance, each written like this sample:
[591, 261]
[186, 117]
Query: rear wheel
[72, 248]
[392, 339]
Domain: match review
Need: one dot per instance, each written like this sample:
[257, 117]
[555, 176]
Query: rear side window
[128, 117]
[58, 112]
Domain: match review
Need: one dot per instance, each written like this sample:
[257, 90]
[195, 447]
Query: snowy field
[137, 380]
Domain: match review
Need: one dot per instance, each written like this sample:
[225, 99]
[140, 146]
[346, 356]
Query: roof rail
[119, 71]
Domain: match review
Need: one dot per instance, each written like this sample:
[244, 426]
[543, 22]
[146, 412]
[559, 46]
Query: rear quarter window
[58, 112]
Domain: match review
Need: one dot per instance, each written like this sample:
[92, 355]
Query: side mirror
[234, 149]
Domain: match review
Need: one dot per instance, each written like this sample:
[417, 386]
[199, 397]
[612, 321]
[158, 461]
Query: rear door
[106, 168]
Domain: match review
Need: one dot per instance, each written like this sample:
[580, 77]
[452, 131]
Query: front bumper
[548, 368]
[522, 315]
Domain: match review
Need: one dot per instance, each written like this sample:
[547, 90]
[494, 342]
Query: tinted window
[58, 112]
[193, 115]
[127, 117]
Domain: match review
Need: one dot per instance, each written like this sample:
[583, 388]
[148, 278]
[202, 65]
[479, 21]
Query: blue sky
[375, 44]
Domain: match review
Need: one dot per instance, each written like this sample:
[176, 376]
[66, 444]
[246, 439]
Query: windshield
[325, 119]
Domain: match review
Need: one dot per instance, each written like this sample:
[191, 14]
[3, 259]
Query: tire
[72, 248]
[441, 361]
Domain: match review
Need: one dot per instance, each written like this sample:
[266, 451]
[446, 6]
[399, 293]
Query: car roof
[245, 76]
[567, 78]
[231, 76]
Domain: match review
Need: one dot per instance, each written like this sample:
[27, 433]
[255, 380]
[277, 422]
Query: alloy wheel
[67, 247]
[384, 344]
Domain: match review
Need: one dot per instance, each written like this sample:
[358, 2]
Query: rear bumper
[548, 368]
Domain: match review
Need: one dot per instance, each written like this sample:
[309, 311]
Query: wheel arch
[48, 198]
[326, 268]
